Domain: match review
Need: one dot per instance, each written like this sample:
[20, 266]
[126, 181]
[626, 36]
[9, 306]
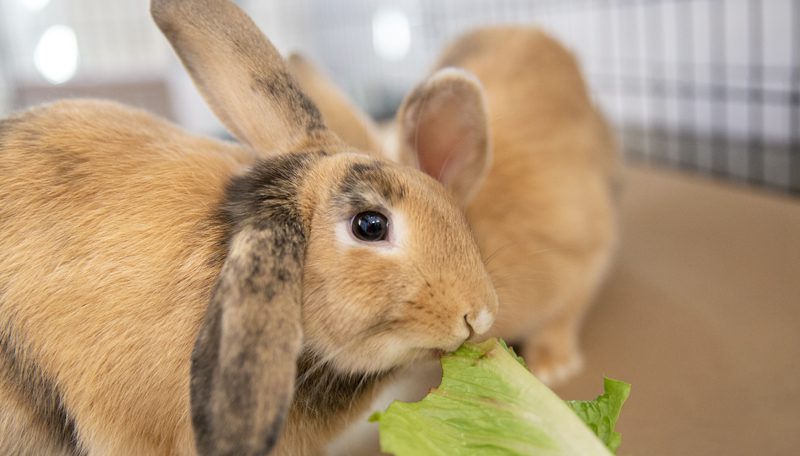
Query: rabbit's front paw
[553, 356]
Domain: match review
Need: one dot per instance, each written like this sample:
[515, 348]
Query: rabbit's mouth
[434, 353]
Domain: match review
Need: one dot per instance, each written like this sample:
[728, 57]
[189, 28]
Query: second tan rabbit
[543, 213]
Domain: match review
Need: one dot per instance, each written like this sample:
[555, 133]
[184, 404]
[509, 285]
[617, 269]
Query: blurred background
[702, 310]
[711, 86]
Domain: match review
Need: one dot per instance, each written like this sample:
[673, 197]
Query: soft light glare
[56, 55]
[33, 5]
[391, 34]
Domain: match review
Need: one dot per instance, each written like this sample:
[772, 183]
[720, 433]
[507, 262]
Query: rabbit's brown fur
[162, 293]
[110, 246]
[341, 116]
[543, 215]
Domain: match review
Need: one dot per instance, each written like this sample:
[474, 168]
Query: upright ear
[240, 74]
[245, 356]
[340, 114]
[443, 130]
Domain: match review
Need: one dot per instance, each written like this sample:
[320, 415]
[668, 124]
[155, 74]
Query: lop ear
[245, 356]
[341, 115]
[443, 130]
[240, 74]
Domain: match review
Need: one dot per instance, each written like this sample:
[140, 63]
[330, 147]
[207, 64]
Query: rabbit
[164, 293]
[542, 204]
[341, 115]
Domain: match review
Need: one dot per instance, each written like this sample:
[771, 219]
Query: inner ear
[444, 132]
[446, 137]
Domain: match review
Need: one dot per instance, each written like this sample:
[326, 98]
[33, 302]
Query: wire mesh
[705, 85]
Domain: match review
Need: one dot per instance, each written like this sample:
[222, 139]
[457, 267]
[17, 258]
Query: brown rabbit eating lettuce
[537, 191]
[163, 293]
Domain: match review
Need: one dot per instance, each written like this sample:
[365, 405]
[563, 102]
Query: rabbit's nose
[479, 322]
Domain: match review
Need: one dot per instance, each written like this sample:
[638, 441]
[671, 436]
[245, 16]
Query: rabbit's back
[536, 95]
[109, 230]
[515, 62]
[544, 217]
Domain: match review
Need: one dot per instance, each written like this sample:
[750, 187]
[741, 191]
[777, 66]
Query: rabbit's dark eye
[370, 226]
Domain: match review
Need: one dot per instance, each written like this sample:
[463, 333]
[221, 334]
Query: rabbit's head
[441, 128]
[362, 263]
[392, 271]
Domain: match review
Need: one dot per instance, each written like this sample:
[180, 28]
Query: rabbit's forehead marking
[369, 177]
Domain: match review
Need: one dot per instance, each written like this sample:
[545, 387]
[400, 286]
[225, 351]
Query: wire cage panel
[705, 85]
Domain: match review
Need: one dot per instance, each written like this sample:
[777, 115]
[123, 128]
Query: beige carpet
[702, 316]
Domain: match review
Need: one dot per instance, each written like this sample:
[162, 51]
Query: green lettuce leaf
[490, 404]
[602, 413]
